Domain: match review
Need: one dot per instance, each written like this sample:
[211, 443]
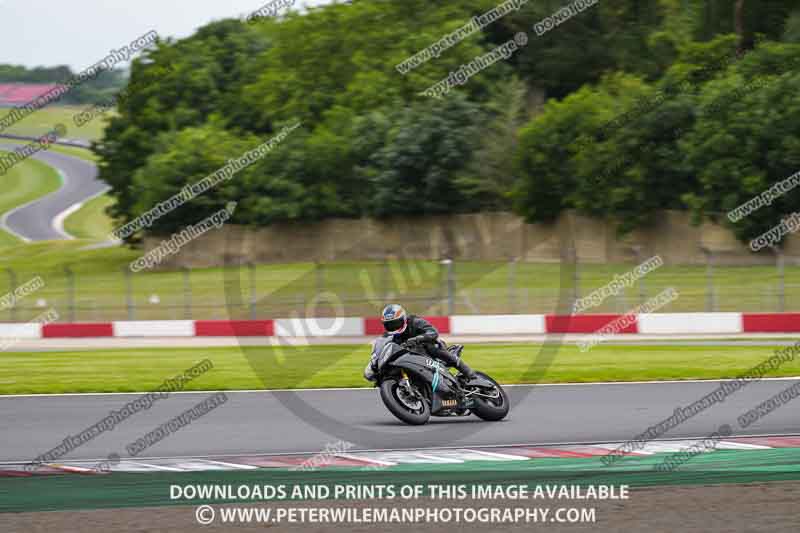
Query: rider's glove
[415, 341]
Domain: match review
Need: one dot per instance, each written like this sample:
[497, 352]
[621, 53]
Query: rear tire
[488, 409]
[397, 408]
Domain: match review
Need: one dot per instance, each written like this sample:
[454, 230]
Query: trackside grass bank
[44, 120]
[137, 370]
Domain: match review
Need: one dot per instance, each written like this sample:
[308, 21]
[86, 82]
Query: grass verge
[91, 221]
[137, 370]
[44, 120]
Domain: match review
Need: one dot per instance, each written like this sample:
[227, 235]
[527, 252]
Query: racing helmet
[395, 319]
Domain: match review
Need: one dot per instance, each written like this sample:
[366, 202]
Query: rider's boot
[467, 373]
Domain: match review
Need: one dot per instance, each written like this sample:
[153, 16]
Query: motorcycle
[414, 386]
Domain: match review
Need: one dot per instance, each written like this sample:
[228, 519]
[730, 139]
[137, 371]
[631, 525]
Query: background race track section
[35, 221]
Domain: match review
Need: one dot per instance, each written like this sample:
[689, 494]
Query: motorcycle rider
[415, 331]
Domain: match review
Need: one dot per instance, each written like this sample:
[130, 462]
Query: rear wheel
[405, 401]
[490, 404]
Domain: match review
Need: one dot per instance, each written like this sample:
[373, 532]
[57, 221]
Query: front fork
[405, 383]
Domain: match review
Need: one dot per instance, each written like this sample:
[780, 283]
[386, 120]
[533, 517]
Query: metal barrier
[361, 289]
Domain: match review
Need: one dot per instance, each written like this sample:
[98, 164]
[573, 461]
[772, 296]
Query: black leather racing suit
[430, 343]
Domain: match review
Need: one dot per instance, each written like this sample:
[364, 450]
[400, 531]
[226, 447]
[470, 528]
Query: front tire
[390, 389]
[491, 409]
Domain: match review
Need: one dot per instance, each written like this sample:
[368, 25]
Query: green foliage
[714, 132]
[745, 139]
[197, 78]
[427, 146]
[655, 104]
[493, 174]
[791, 33]
[606, 36]
[183, 158]
[551, 146]
[345, 56]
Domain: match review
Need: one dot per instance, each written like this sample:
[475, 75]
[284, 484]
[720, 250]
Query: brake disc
[408, 399]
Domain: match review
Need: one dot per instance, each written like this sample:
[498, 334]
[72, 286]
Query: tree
[555, 144]
[184, 158]
[205, 76]
[493, 173]
[745, 139]
[427, 147]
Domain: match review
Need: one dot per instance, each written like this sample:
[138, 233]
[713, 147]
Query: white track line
[232, 465]
[58, 221]
[67, 468]
[367, 388]
[494, 455]
[154, 467]
[369, 460]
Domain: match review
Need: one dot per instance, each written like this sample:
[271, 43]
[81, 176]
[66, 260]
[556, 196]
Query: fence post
[187, 293]
[642, 288]
[451, 286]
[710, 299]
[253, 292]
[12, 286]
[576, 279]
[320, 278]
[512, 286]
[620, 301]
[781, 280]
[129, 303]
[386, 274]
[70, 293]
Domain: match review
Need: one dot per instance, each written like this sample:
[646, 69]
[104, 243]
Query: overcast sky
[80, 33]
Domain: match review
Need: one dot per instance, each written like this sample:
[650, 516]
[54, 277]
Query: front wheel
[490, 404]
[405, 402]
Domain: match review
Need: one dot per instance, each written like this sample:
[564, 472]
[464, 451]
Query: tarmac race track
[41, 219]
[259, 422]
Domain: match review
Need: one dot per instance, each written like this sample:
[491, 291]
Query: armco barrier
[771, 322]
[155, 328]
[656, 323]
[234, 328]
[373, 326]
[78, 330]
[319, 327]
[676, 323]
[584, 323]
[20, 331]
[497, 324]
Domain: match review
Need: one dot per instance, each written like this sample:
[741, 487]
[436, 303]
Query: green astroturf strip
[74, 491]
